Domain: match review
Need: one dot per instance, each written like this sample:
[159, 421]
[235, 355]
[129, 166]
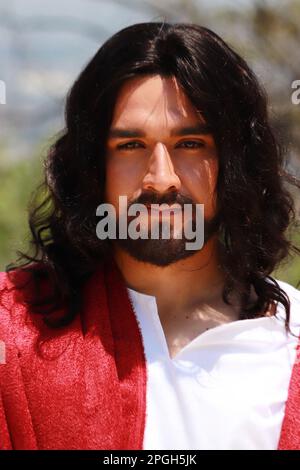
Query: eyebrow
[201, 128]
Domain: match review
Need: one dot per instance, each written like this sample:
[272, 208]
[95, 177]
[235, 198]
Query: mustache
[170, 198]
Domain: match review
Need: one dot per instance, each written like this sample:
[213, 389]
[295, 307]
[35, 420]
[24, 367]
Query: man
[139, 342]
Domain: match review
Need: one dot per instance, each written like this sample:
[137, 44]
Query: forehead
[153, 99]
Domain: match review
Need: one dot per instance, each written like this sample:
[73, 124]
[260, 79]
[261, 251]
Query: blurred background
[44, 46]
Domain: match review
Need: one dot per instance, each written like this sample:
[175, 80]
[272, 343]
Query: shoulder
[10, 282]
[290, 290]
[16, 289]
[6, 294]
[293, 295]
[10, 300]
[22, 328]
[3, 280]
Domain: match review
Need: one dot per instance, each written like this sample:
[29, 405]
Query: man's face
[159, 150]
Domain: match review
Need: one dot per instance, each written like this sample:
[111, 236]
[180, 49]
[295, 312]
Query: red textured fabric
[84, 386]
[290, 430]
[80, 387]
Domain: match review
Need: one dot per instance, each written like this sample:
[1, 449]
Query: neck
[197, 280]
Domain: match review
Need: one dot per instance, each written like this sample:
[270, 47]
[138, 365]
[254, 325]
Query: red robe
[84, 386]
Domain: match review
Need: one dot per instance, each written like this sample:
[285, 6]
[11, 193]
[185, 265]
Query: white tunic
[226, 389]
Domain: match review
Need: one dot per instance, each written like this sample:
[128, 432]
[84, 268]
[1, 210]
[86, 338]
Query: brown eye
[129, 146]
[191, 144]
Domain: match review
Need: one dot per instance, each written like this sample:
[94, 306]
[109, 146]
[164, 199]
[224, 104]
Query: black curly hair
[255, 208]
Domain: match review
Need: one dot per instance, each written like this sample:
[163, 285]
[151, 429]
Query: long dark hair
[254, 206]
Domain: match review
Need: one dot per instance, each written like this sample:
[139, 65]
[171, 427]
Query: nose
[160, 175]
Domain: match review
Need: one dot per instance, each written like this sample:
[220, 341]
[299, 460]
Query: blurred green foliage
[17, 182]
[289, 269]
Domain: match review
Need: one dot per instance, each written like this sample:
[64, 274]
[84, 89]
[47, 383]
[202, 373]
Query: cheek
[120, 180]
[211, 174]
[201, 180]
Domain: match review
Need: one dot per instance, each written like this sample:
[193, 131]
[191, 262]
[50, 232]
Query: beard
[163, 252]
